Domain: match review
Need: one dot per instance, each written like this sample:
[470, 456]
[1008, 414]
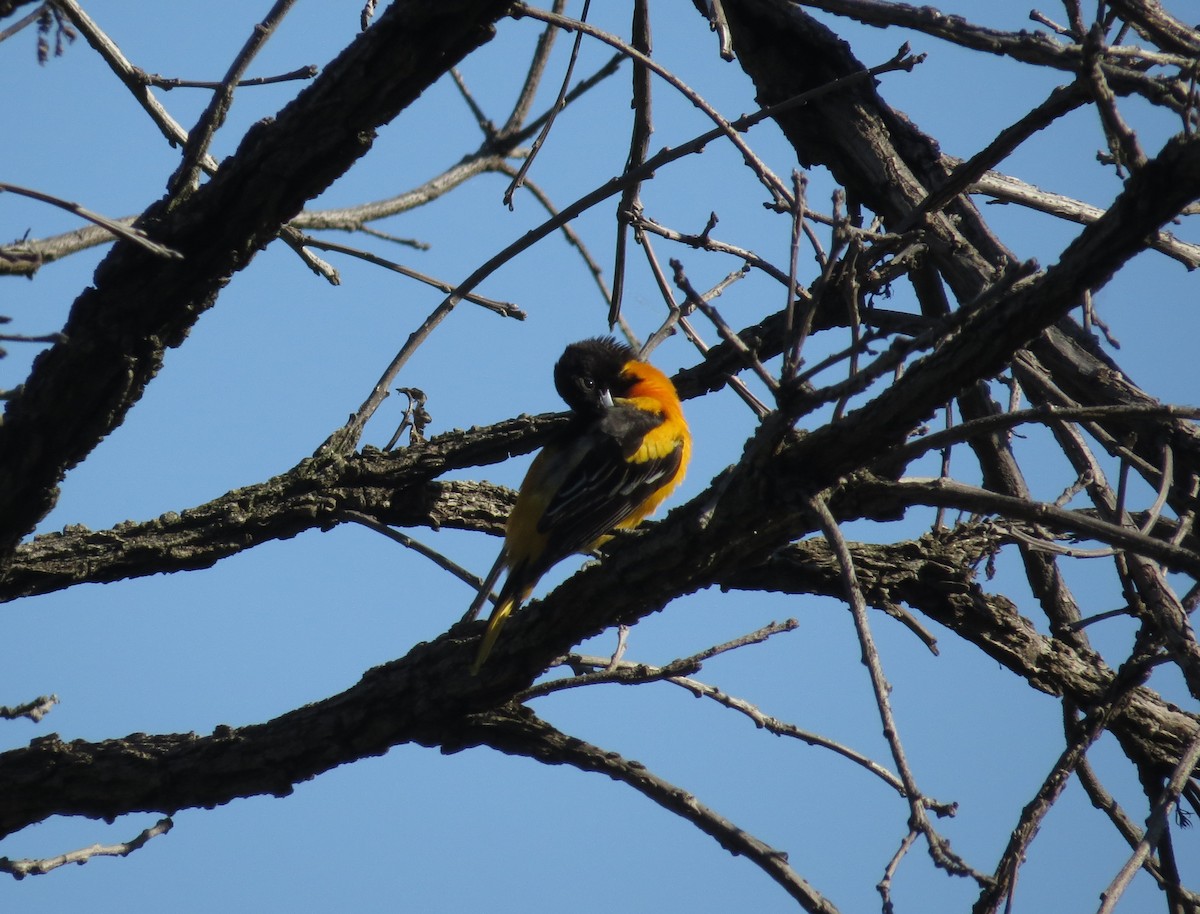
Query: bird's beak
[606, 399]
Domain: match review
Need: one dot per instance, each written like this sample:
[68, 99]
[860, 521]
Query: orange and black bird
[624, 451]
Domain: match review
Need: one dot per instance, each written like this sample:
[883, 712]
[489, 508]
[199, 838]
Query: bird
[624, 450]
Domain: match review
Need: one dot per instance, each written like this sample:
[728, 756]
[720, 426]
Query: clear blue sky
[283, 358]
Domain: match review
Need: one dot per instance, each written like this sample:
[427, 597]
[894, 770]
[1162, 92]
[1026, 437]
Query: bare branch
[195, 150]
[19, 869]
[519, 732]
[135, 235]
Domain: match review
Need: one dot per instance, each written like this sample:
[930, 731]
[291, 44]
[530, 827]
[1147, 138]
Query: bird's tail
[499, 615]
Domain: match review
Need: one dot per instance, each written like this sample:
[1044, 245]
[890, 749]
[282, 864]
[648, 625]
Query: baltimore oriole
[624, 451]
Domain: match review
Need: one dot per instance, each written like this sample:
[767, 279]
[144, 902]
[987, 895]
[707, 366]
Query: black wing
[603, 486]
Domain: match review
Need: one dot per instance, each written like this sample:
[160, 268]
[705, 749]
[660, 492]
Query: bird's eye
[588, 383]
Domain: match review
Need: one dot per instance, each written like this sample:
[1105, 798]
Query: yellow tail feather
[495, 622]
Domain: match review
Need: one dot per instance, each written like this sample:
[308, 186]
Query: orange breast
[653, 390]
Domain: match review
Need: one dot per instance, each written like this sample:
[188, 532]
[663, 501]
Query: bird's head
[589, 373]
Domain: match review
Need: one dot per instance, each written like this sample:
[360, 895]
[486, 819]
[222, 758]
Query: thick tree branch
[396, 487]
[119, 329]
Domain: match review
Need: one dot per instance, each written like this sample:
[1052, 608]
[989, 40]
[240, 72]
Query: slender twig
[628, 673]
[484, 122]
[574, 240]
[791, 360]
[19, 869]
[519, 732]
[167, 83]
[1060, 102]
[939, 847]
[705, 242]
[1122, 141]
[675, 317]
[726, 332]
[27, 338]
[1156, 824]
[345, 439]
[129, 233]
[533, 75]
[195, 150]
[1035, 811]
[131, 76]
[884, 887]
[1164, 488]
[720, 24]
[559, 104]
[800, 328]
[639, 144]
[23, 22]
[443, 562]
[954, 494]
[1043, 415]
[503, 308]
[1006, 189]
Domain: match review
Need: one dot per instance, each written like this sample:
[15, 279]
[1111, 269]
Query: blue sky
[284, 357]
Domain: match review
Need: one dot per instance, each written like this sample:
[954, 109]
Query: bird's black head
[589, 371]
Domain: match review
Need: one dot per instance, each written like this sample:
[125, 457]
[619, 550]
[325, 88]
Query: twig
[23, 22]
[353, 218]
[503, 308]
[559, 105]
[1167, 475]
[443, 562]
[726, 332]
[1061, 101]
[195, 150]
[1006, 189]
[1049, 23]
[952, 493]
[675, 317]
[628, 673]
[939, 847]
[1122, 141]
[1043, 415]
[533, 76]
[416, 417]
[134, 235]
[639, 143]
[791, 357]
[167, 83]
[573, 239]
[1027, 827]
[1155, 825]
[798, 330]
[295, 240]
[884, 887]
[19, 869]
[720, 24]
[131, 76]
[705, 242]
[37, 338]
[484, 122]
[345, 439]
[521, 733]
